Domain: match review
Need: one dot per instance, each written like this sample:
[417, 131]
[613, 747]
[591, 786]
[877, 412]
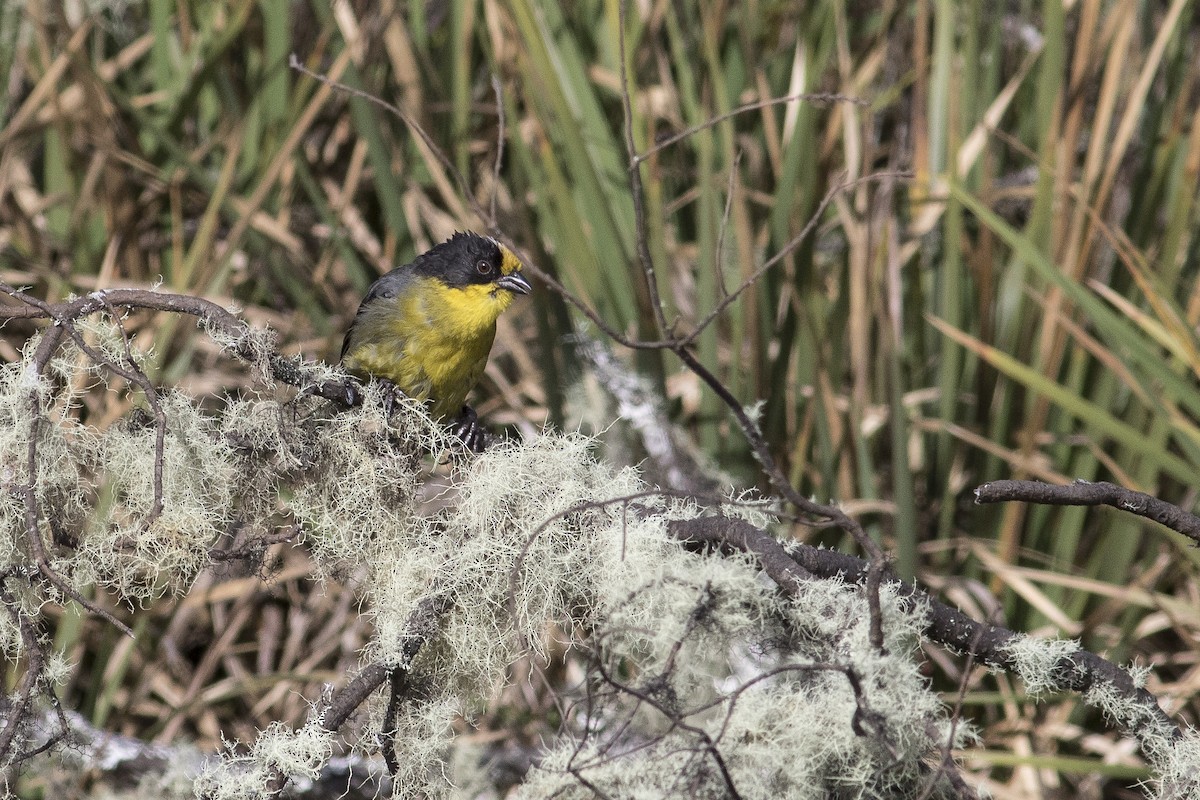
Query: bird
[426, 328]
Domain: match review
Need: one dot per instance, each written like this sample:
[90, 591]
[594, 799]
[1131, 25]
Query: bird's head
[480, 277]
[473, 262]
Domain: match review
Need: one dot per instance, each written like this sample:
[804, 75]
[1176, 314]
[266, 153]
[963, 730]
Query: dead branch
[1086, 493]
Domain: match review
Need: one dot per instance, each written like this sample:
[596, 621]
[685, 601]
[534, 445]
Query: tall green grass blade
[1092, 415]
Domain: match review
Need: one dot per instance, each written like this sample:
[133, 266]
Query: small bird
[427, 327]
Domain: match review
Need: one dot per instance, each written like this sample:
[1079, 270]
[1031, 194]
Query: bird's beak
[515, 283]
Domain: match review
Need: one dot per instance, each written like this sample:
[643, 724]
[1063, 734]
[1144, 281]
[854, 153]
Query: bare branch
[820, 97]
[791, 245]
[635, 181]
[1086, 493]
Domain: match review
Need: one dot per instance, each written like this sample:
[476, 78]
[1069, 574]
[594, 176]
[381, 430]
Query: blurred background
[968, 231]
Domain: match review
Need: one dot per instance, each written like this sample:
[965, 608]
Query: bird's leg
[466, 428]
[391, 396]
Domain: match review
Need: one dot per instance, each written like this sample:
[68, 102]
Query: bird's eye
[483, 266]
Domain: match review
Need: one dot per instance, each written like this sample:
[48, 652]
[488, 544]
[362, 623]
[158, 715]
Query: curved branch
[1086, 493]
[292, 371]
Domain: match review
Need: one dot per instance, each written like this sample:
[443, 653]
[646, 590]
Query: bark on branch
[1086, 493]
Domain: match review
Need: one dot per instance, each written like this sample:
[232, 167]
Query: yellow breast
[432, 342]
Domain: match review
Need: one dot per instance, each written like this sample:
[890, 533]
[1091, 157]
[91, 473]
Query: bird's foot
[392, 395]
[352, 393]
[466, 429]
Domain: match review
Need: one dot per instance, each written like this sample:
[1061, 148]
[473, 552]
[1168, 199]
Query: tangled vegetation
[827, 273]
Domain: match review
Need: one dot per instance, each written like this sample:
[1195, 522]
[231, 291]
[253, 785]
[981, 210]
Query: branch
[292, 371]
[830, 514]
[1086, 493]
[64, 316]
[991, 644]
[28, 492]
[15, 718]
[423, 623]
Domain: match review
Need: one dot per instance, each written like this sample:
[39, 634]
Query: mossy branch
[248, 344]
[1136, 711]
[540, 531]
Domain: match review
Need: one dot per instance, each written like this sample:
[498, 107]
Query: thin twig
[790, 246]
[723, 228]
[501, 136]
[139, 378]
[635, 182]
[828, 97]
[28, 492]
[709, 746]
[291, 371]
[423, 625]
[35, 662]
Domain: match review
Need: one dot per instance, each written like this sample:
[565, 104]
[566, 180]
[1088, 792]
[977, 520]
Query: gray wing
[390, 285]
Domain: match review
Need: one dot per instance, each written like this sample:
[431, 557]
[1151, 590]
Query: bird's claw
[466, 429]
[391, 396]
